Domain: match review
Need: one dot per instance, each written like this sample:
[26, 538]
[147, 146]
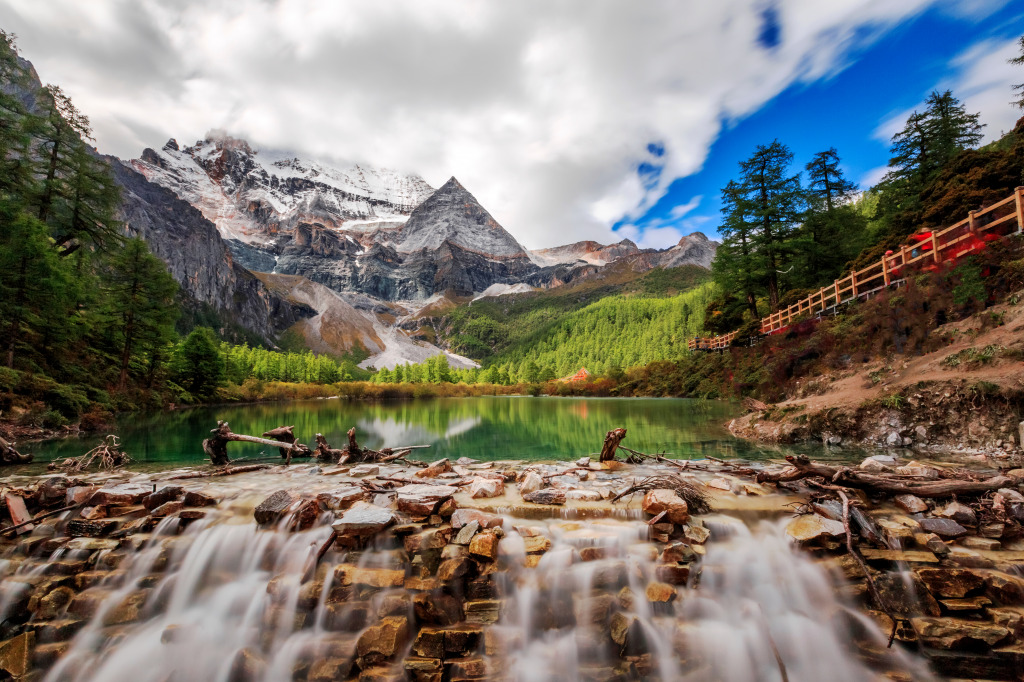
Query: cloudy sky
[585, 119]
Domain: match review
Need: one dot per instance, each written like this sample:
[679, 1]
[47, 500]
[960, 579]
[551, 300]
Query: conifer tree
[832, 228]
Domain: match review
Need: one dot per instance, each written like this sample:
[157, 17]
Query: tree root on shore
[695, 498]
[107, 455]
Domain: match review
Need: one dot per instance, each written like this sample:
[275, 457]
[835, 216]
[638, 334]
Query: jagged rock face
[695, 249]
[255, 196]
[198, 258]
[453, 215]
[588, 251]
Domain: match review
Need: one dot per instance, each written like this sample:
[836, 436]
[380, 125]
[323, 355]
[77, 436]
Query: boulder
[342, 498]
[197, 499]
[956, 633]
[437, 609]
[466, 534]
[167, 493]
[546, 496]
[918, 470]
[875, 466]
[486, 487]
[664, 500]
[532, 482]
[384, 639]
[954, 583]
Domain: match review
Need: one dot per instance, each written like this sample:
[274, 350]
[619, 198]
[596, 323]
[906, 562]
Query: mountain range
[348, 257]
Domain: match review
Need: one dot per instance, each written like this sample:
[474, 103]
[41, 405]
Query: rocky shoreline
[409, 574]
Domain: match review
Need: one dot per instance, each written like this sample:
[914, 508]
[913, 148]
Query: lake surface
[489, 428]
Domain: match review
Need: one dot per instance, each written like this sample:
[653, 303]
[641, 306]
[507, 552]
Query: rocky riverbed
[505, 570]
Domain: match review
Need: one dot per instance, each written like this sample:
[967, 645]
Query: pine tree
[1019, 87]
[140, 302]
[831, 231]
[736, 267]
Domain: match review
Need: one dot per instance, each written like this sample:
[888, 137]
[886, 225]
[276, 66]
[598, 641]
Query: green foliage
[197, 364]
[894, 401]
[973, 357]
[1019, 87]
[970, 288]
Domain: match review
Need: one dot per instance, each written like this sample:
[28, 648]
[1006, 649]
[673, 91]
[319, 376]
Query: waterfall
[222, 600]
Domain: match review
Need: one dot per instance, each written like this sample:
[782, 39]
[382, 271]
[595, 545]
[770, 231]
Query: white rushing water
[223, 601]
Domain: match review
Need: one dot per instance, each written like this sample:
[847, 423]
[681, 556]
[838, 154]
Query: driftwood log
[9, 455]
[286, 434]
[611, 444]
[801, 467]
[325, 453]
[216, 446]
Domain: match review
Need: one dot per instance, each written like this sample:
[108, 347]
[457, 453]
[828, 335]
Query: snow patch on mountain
[504, 289]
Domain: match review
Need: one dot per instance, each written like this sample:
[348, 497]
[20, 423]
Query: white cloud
[873, 177]
[543, 108]
[984, 84]
[682, 209]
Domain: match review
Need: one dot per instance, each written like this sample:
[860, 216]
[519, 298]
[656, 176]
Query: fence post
[936, 256]
[885, 270]
[1020, 208]
[836, 284]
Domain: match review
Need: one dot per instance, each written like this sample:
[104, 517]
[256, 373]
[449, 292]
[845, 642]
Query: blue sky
[855, 110]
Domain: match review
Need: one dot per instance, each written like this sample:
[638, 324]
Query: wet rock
[437, 609]
[79, 494]
[945, 528]
[932, 542]
[956, 633]
[247, 666]
[128, 611]
[965, 605]
[812, 527]
[918, 470]
[673, 574]
[271, 509]
[968, 558]
[363, 520]
[960, 513]
[451, 569]
[951, 582]
[162, 495]
[167, 509]
[984, 544]
[537, 544]
[361, 470]
[719, 484]
[461, 517]
[121, 494]
[441, 466]
[16, 654]
[546, 496]
[347, 574]
[532, 482]
[894, 439]
[583, 495]
[484, 546]
[912, 504]
[583, 462]
[466, 534]
[875, 465]
[992, 530]
[340, 499]
[830, 509]
[905, 595]
[695, 532]
[197, 499]
[678, 552]
[384, 639]
[664, 500]
[660, 593]
[484, 611]
[486, 487]
[1004, 588]
[91, 528]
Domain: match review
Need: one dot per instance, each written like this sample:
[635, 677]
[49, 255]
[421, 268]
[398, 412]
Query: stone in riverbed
[120, 494]
[984, 544]
[951, 582]
[16, 654]
[467, 533]
[273, 507]
[484, 546]
[664, 500]
[363, 520]
[812, 526]
[167, 493]
[546, 496]
[486, 487]
[912, 504]
[956, 633]
[364, 470]
[441, 466]
[946, 528]
[919, 470]
[960, 513]
[195, 498]
[583, 495]
[532, 482]
[462, 517]
[383, 640]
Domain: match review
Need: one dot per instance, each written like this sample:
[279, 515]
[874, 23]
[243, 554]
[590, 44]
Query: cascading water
[580, 600]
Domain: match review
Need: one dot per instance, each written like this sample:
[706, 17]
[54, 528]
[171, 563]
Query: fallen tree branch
[216, 445]
[695, 498]
[9, 455]
[611, 443]
[40, 517]
[227, 471]
[846, 477]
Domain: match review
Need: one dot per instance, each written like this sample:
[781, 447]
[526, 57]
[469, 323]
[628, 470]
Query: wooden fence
[967, 236]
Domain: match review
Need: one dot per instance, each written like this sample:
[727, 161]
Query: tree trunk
[611, 444]
[216, 445]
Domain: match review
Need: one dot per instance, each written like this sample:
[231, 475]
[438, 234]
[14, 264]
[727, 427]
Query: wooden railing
[970, 234]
